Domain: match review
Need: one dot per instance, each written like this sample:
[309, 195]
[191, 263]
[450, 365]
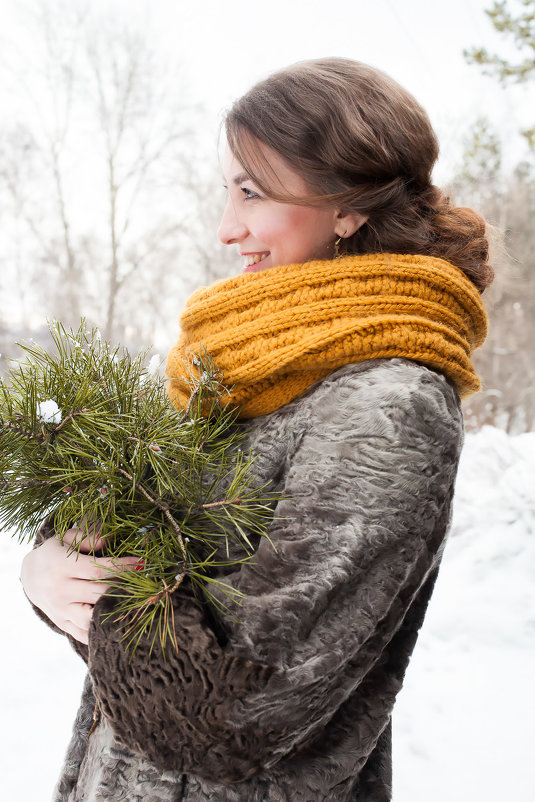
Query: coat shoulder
[397, 390]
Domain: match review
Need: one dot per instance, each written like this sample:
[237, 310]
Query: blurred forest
[110, 206]
[506, 362]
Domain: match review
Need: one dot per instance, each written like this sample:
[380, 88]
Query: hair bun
[461, 234]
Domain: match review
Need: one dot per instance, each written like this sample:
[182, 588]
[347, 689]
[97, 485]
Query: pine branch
[86, 435]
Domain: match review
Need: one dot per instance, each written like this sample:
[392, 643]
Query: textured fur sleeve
[369, 489]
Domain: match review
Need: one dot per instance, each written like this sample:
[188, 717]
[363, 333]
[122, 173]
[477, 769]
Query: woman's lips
[256, 266]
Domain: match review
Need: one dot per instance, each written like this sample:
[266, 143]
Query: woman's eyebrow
[240, 178]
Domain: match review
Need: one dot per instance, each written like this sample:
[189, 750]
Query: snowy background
[464, 725]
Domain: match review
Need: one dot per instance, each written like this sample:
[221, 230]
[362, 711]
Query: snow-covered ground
[464, 725]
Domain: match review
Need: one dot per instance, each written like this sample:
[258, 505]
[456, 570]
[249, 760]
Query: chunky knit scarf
[276, 332]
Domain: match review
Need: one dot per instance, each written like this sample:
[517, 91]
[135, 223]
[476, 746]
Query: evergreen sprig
[89, 437]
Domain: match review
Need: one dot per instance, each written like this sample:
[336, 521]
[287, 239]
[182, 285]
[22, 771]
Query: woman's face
[268, 233]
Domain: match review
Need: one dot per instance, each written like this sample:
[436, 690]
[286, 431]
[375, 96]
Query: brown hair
[361, 142]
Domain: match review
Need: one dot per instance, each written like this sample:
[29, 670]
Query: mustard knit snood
[276, 332]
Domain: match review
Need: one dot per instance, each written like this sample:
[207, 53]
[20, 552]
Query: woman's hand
[64, 584]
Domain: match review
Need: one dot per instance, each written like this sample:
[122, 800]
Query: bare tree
[109, 129]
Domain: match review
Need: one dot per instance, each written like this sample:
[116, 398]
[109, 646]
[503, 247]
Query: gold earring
[337, 242]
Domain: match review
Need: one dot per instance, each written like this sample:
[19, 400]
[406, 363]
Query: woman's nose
[230, 229]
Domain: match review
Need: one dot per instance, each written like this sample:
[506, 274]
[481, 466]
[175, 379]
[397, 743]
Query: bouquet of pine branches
[89, 437]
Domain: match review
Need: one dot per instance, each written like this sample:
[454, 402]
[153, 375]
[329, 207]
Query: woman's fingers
[84, 537]
[80, 615]
[101, 568]
[83, 591]
[77, 632]
[59, 581]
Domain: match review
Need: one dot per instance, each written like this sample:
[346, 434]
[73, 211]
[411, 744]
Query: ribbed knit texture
[275, 333]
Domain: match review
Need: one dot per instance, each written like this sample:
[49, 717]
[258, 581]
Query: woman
[346, 340]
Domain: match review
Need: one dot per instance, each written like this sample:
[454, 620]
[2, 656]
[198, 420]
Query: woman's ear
[347, 223]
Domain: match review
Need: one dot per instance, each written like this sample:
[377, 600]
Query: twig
[192, 400]
[223, 503]
[24, 482]
[165, 593]
[25, 432]
[69, 417]
[166, 590]
[161, 453]
[161, 505]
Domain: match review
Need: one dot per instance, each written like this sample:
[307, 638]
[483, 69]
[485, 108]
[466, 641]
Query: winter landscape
[113, 216]
[464, 725]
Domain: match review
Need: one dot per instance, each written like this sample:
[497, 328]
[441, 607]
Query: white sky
[224, 47]
[227, 46]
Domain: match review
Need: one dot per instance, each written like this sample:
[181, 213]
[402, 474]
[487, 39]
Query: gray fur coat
[294, 703]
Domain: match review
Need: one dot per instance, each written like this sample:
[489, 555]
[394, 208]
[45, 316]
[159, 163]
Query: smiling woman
[345, 343]
[269, 233]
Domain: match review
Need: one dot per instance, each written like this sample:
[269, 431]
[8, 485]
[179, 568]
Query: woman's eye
[249, 194]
